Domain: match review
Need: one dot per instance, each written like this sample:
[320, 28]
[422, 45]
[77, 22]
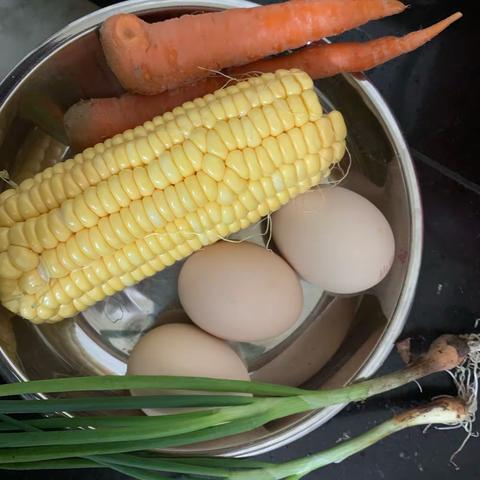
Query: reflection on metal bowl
[336, 340]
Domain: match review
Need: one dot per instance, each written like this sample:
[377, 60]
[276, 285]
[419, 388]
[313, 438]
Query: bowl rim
[14, 79]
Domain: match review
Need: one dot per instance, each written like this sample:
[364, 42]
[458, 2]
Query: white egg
[240, 292]
[336, 239]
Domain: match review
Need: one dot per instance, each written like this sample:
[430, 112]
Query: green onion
[446, 411]
[144, 382]
[121, 403]
[45, 441]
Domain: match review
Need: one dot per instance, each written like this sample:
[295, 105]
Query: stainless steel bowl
[337, 339]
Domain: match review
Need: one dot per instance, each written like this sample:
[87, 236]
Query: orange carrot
[326, 60]
[151, 58]
[92, 121]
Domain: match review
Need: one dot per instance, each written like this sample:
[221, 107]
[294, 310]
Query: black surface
[434, 94]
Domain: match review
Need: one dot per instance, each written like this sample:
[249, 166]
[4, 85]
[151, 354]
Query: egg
[335, 239]
[240, 292]
[184, 350]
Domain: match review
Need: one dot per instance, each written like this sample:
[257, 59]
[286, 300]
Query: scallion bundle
[122, 443]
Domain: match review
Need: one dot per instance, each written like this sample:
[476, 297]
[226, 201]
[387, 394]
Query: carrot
[92, 121]
[326, 60]
[151, 58]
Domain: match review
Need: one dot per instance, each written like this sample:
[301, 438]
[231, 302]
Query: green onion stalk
[445, 411]
[108, 442]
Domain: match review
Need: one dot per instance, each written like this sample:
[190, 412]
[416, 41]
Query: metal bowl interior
[337, 339]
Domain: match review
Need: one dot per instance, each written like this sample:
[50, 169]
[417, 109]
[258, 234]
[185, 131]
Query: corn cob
[125, 209]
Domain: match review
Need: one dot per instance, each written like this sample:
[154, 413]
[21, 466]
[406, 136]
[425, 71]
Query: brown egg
[185, 350]
[335, 239]
[240, 292]
[182, 349]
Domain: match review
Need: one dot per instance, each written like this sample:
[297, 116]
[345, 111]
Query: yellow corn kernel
[312, 139]
[296, 136]
[215, 145]
[272, 148]
[185, 197]
[286, 147]
[93, 202]
[289, 175]
[31, 282]
[169, 168]
[225, 195]
[43, 233]
[120, 229]
[196, 192]
[107, 200]
[140, 216]
[181, 161]
[25, 206]
[241, 103]
[292, 87]
[99, 243]
[155, 144]
[297, 107]
[117, 191]
[56, 186]
[312, 162]
[214, 212]
[152, 213]
[86, 217]
[143, 182]
[47, 197]
[339, 149]
[234, 181]
[251, 95]
[108, 233]
[51, 265]
[237, 130]
[35, 198]
[213, 166]
[338, 125]
[14, 235]
[301, 170]
[257, 191]
[22, 258]
[174, 202]
[254, 169]
[325, 130]
[162, 206]
[4, 241]
[192, 112]
[236, 161]
[276, 88]
[229, 106]
[312, 104]
[194, 154]
[273, 203]
[100, 166]
[248, 200]
[31, 235]
[259, 121]
[268, 187]
[131, 225]
[70, 187]
[284, 113]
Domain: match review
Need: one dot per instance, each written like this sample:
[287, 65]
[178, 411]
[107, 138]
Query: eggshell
[184, 350]
[240, 292]
[336, 239]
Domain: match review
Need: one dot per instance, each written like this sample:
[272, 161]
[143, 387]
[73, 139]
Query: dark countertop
[435, 96]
